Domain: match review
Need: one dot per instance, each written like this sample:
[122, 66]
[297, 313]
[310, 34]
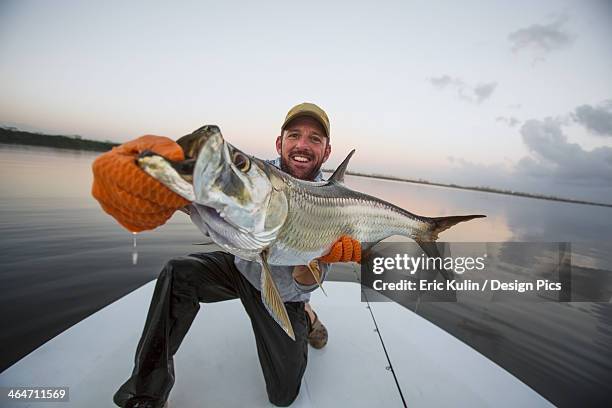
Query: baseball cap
[308, 109]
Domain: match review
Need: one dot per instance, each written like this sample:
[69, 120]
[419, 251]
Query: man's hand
[303, 276]
[346, 249]
[135, 199]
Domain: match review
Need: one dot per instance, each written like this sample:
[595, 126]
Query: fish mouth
[168, 171]
[174, 175]
[194, 142]
[184, 167]
[178, 177]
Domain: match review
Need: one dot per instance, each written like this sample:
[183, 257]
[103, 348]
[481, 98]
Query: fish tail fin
[438, 224]
[431, 250]
[443, 223]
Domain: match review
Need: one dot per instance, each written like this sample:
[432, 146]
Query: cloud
[542, 38]
[596, 119]
[443, 81]
[475, 94]
[484, 91]
[554, 166]
[510, 121]
[554, 157]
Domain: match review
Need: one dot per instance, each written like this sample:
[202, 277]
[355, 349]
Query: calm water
[62, 259]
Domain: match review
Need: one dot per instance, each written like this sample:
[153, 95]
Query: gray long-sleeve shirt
[290, 290]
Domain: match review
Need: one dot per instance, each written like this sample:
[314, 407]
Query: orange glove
[346, 249]
[135, 199]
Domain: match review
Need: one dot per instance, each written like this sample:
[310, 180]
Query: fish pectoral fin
[315, 269]
[272, 300]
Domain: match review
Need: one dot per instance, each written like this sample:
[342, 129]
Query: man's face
[303, 148]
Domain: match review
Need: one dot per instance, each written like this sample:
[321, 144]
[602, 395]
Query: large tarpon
[260, 213]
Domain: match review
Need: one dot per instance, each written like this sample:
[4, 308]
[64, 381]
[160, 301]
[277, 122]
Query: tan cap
[308, 109]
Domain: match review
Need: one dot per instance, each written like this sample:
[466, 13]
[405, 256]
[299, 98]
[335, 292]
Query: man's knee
[283, 393]
[283, 397]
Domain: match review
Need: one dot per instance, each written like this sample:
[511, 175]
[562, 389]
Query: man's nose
[303, 143]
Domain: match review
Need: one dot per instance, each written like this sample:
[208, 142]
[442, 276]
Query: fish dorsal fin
[338, 175]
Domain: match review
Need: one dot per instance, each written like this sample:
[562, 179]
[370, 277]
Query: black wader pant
[183, 283]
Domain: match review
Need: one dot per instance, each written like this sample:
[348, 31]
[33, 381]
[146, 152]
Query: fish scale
[317, 218]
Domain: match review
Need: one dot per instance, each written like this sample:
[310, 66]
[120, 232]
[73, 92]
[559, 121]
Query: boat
[379, 354]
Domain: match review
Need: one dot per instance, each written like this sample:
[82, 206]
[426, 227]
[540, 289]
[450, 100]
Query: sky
[514, 95]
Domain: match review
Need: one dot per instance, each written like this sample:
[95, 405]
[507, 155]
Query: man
[185, 282]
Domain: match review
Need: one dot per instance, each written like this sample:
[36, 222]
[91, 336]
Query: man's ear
[327, 152]
[279, 145]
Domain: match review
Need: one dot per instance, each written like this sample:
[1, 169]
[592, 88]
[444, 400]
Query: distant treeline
[12, 135]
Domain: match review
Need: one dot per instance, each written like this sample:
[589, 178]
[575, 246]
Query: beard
[302, 174]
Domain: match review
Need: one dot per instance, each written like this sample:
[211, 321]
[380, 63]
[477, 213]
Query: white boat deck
[217, 364]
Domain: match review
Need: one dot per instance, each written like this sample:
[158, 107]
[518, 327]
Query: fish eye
[241, 161]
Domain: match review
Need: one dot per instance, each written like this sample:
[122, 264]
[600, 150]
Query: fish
[257, 212]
